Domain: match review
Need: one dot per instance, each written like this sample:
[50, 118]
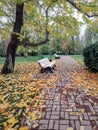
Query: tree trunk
[13, 44]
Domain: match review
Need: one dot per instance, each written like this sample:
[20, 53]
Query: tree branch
[80, 10]
[7, 15]
[25, 44]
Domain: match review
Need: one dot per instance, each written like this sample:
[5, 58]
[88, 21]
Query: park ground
[64, 100]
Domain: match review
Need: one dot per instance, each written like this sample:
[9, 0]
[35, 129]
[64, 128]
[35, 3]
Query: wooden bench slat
[45, 63]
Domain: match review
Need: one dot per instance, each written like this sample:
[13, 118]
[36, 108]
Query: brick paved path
[67, 108]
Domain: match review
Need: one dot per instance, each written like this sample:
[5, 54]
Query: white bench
[57, 56]
[46, 64]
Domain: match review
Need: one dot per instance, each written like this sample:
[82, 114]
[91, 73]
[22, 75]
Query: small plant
[90, 55]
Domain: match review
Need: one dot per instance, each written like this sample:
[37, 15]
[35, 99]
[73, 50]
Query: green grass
[2, 59]
[27, 59]
[78, 58]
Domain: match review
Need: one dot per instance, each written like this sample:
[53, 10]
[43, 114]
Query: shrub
[90, 55]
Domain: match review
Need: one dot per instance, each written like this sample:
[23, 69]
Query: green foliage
[46, 49]
[90, 55]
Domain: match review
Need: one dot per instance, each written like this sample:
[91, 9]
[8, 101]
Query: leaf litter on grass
[20, 104]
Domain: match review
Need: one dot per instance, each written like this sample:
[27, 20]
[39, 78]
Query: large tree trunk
[13, 44]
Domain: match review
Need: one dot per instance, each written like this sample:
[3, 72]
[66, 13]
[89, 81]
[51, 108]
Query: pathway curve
[66, 105]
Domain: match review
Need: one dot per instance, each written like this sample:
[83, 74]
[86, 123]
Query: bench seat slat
[45, 63]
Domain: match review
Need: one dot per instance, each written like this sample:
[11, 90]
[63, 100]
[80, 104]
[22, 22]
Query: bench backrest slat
[43, 62]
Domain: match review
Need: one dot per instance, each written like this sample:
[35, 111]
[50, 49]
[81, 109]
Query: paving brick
[96, 110]
[56, 125]
[48, 115]
[70, 128]
[51, 102]
[77, 124]
[81, 127]
[87, 128]
[74, 108]
[85, 122]
[43, 115]
[48, 109]
[72, 123]
[63, 127]
[43, 121]
[70, 101]
[74, 117]
[47, 102]
[62, 115]
[55, 113]
[58, 108]
[87, 103]
[56, 103]
[43, 127]
[72, 97]
[54, 117]
[66, 122]
[93, 117]
[96, 122]
[91, 108]
[85, 116]
[81, 102]
[66, 115]
[89, 113]
[96, 107]
[51, 124]
[54, 108]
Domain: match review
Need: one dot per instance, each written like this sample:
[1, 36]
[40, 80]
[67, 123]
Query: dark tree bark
[13, 44]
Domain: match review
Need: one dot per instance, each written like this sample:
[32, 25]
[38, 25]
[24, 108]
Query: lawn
[27, 59]
[78, 58]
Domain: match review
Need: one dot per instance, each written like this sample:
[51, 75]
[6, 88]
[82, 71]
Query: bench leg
[51, 70]
[42, 70]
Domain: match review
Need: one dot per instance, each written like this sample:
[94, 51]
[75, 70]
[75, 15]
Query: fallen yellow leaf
[23, 128]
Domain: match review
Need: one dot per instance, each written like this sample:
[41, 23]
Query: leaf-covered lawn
[19, 96]
[20, 92]
[88, 81]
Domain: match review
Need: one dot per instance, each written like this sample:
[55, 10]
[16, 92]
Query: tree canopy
[35, 22]
[61, 17]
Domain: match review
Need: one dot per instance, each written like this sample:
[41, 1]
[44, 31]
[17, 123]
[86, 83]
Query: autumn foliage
[20, 105]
